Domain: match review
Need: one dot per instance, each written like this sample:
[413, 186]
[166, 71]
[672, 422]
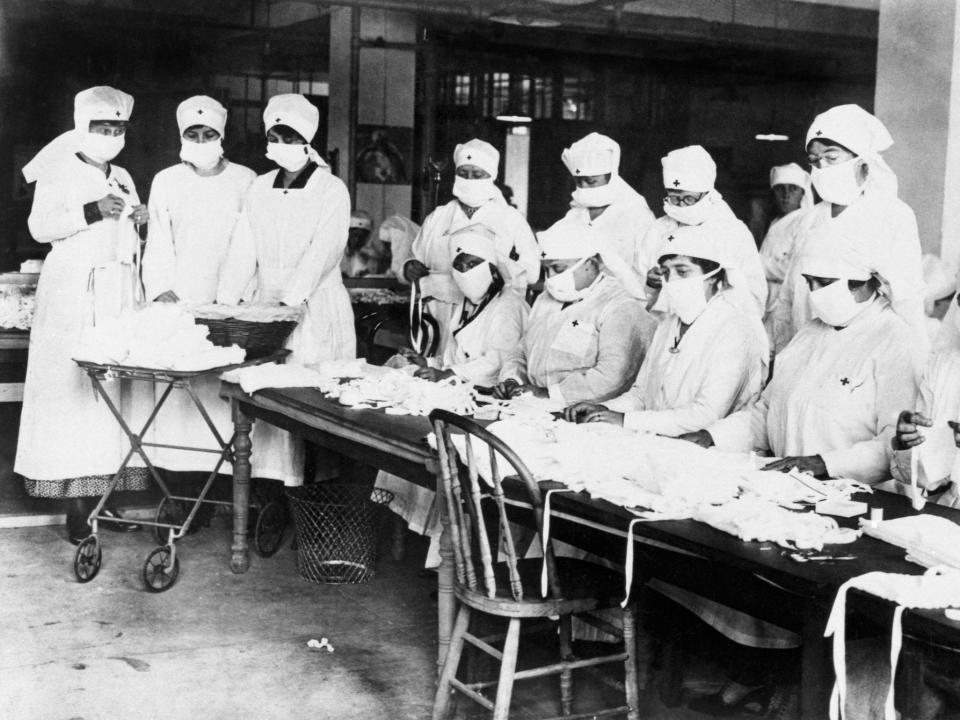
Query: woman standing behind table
[194, 207]
[289, 240]
[708, 356]
[86, 208]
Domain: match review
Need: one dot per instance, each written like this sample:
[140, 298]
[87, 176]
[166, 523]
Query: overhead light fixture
[771, 137]
[514, 118]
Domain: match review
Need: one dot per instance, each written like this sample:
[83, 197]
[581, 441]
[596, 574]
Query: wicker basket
[257, 338]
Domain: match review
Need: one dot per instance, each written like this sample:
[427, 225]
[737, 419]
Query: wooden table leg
[240, 557]
[446, 602]
[816, 671]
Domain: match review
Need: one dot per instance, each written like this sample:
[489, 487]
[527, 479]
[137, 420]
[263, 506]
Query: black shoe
[77, 527]
[110, 518]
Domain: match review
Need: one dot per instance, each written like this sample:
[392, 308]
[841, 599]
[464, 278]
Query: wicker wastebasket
[336, 528]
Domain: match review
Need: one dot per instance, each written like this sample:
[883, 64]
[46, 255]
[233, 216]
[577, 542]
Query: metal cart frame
[162, 566]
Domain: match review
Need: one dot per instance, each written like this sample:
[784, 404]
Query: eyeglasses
[830, 157]
[687, 200]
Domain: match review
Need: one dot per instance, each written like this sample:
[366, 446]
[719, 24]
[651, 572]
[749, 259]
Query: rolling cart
[174, 513]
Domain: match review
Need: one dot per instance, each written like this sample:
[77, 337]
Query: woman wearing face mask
[832, 405]
[194, 207]
[586, 336]
[487, 324]
[476, 201]
[707, 358]
[86, 208]
[689, 175]
[859, 192]
[606, 206]
[290, 238]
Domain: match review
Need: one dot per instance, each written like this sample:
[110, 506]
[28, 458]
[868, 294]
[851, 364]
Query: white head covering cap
[201, 110]
[594, 154]
[566, 240]
[853, 127]
[361, 219]
[831, 252]
[96, 103]
[477, 152]
[476, 240]
[294, 111]
[702, 242]
[790, 174]
[690, 168]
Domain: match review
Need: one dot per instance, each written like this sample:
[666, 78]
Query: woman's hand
[413, 358]
[908, 435]
[700, 437]
[413, 270]
[140, 215]
[577, 413]
[111, 205]
[167, 297]
[433, 374]
[507, 389]
[810, 464]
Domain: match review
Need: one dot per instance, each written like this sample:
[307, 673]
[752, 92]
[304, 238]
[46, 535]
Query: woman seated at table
[937, 408]
[830, 411]
[487, 324]
[707, 358]
[586, 337]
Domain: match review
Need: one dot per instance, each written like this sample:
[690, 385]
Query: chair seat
[586, 587]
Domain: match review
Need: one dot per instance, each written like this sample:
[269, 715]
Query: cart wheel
[168, 511]
[270, 529]
[158, 574]
[86, 563]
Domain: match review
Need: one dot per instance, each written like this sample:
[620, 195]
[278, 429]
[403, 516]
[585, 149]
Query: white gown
[65, 430]
[432, 247]
[834, 393]
[191, 220]
[715, 369]
[738, 246]
[589, 350]
[891, 227]
[291, 241]
[619, 230]
[776, 253]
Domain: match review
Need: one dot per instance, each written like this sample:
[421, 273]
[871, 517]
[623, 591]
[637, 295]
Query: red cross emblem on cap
[200, 111]
[577, 171]
[818, 133]
[676, 183]
[543, 254]
[469, 157]
[670, 239]
[118, 113]
[459, 250]
[278, 120]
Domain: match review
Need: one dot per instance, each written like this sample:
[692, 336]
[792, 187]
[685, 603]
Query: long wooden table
[758, 578]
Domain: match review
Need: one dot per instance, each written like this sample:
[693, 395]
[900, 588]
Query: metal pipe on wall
[354, 100]
[428, 123]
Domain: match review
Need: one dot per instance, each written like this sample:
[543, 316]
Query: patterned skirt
[89, 485]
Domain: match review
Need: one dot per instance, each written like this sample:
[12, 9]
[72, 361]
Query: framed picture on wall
[384, 154]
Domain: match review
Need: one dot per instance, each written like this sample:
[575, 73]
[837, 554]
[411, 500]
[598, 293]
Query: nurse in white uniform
[604, 205]
[586, 336]
[289, 241]
[689, 175]
[859, 192]
[707, 358]
[477, 200]
[86, 208]
[792, 194]
[194, 207]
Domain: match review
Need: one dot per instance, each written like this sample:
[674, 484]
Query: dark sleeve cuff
[91, 213]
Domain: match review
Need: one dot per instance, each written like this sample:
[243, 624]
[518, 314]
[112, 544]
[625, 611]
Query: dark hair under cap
[830, 143]
[286, 132]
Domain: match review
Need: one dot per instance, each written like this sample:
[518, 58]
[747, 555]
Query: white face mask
[594, 197]
[203, 156]
[835, 304]
[475, 282]
[289, 156]
[687, 297]
[695, 214]
[474, 193]
[563, 286]
[102, 148]
[838, 184]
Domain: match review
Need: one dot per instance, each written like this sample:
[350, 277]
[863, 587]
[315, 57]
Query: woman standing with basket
[289, 241]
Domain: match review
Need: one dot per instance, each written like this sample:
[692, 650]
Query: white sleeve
[159, 257]
[506, 336]
[744, 430]
[241, 262]
[57, 212]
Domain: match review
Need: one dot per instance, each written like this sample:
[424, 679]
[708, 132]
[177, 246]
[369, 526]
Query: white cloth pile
[929, 540]
[271, 375]
[17, 306]
[399, 393]
[160, 336]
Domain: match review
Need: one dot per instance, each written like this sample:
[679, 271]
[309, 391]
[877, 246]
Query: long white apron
[65, 430]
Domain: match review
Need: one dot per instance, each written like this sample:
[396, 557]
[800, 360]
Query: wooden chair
[509, 589]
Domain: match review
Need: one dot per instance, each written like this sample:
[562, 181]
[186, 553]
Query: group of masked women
[810, 349]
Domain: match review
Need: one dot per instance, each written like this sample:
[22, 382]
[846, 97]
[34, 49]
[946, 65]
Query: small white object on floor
[320, 644]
